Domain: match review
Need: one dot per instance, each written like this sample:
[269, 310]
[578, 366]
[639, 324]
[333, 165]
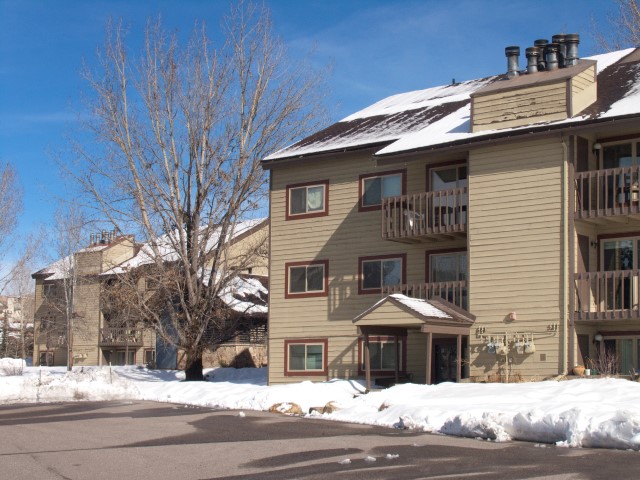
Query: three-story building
[489, 227]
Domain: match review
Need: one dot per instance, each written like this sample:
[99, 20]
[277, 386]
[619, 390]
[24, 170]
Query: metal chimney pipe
[542, 45]
[532, 59]
[562, 49]
[551, 56]
[572, 40]
[512, 53]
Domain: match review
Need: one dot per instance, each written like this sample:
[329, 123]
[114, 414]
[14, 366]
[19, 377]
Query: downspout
[564, 320]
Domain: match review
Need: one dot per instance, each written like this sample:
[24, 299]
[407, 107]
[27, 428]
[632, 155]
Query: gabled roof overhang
[396, 314]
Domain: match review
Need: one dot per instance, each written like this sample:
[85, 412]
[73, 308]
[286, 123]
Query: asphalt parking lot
[161, 441]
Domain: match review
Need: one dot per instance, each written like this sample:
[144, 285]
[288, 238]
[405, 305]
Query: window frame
[633, 140]
[427, 261]
[402, 340]
[403, 274]
[371, 208]
[445, 166]
[49, 289]
[306, 294]
[320, 213]
[324, 342]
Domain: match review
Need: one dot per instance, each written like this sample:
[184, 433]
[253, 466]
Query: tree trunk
[193, 370]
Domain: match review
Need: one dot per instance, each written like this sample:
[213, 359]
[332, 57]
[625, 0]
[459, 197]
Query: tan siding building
[99, 336]
[510, 205]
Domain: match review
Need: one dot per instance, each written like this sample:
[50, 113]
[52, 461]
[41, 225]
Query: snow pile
[58, 385]
[579, 413]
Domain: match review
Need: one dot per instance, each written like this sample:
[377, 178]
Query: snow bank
[601, 413]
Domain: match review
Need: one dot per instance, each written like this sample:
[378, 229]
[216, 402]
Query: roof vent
[512, 54]
[542, 46]
[551, 56]
[562, 48]
[571, 40]
[533, 54]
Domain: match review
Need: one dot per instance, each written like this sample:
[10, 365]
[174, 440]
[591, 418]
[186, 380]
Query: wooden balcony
[610, 295]
[120, 337]
[424, 217]
[608, 196]
[453, 292]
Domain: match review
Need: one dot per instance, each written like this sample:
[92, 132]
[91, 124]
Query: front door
[446, 354]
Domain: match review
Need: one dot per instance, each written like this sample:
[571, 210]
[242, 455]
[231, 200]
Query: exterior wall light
[598, 337]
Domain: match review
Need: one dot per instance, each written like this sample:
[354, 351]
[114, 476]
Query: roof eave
[268, 164]
[509, 134]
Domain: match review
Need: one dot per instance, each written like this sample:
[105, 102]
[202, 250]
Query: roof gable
[398, 310]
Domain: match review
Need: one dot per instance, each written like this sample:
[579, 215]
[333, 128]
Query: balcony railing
[425, 214]
[120, 337]
[609, 192]
[607, 295]
[452, 292]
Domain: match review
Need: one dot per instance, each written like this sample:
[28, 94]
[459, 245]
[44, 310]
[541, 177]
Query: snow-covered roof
[246, 295]
[56, 270]
[164, 244]
[440, 116]
[423, 308]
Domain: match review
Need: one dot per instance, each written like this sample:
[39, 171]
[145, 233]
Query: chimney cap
[553, 46]
[572, 37]
[541, 42]
[560, 38]
[512, 50]
[532, 51]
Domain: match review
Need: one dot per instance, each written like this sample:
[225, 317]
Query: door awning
[397, 313]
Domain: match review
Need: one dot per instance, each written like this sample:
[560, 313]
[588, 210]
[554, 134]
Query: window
[120, 357]
[627, 350]
[307, 200]
[447, 276]
[49, 290]
[306, 357]
[449, 208]
[376, 187]
[382, 355]
[381, 271]
[621, 188]
[447, 177]
[307, 279]
[619, 255]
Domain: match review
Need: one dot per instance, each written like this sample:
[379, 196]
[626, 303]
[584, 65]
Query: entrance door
[445, 352]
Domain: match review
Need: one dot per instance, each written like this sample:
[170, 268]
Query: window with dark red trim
[307, 279]
[307, 200]
[382, 354]
[306, 357]
[381, 271]
[374, 187]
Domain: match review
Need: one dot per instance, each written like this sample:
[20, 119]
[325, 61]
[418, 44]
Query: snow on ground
[601, 412]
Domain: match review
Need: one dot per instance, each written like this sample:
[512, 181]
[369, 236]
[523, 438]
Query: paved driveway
[120, 440]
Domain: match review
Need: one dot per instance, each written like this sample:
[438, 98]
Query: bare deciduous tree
[59, 320]
[179, 135]
[10, 208]
[624, 25]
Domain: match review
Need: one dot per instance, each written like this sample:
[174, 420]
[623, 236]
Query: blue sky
[375, 48]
